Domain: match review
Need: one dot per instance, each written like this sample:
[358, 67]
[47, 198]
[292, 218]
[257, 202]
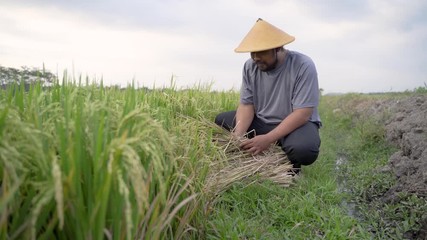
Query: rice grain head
[59, 194]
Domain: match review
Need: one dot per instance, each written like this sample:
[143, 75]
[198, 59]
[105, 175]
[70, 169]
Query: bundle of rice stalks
[237, 165]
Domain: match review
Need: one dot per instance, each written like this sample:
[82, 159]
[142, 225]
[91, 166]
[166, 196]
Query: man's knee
[302, 146]
[301, 154]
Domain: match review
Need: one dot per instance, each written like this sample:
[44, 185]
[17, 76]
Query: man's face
[265, 60]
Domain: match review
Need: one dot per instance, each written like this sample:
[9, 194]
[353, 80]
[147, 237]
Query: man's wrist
[271, 138]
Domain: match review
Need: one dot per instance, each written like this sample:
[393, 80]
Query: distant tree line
[25, 75]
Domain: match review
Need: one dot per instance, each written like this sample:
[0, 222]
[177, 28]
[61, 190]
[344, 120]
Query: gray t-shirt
[276, 93]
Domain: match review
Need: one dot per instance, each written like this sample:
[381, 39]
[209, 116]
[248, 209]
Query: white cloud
[357, 46]
[91, 48]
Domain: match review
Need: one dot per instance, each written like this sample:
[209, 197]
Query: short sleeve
[246, 90]
[306, 89]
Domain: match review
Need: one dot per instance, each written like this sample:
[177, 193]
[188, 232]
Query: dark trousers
[301, 146]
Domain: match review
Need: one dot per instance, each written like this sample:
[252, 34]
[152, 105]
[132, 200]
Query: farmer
[278, 98]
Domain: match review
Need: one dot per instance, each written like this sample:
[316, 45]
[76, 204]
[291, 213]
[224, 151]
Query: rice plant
[90, 162]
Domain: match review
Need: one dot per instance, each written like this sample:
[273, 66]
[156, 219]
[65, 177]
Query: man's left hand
[257, 144]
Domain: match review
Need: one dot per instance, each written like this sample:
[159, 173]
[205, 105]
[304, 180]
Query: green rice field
[86, 161]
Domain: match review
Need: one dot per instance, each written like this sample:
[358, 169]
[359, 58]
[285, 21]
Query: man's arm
[244, 116]
[293, 121]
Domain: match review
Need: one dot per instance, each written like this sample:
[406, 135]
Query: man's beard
[268, 67]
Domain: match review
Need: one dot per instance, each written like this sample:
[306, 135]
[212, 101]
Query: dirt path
[406, 128]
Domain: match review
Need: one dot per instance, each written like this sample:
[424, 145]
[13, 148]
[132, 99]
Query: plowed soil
[406, 128]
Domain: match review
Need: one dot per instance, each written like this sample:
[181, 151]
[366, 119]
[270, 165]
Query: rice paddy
[86, 161]
[91, 162]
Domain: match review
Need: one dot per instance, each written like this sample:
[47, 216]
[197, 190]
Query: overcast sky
[357, 45]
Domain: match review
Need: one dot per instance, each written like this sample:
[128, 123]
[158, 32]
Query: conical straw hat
[263, 36]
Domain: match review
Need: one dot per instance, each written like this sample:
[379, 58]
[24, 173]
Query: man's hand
[256, 145]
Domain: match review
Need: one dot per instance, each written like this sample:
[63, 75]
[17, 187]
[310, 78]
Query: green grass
[310, 209]
[362, 142]
[84, 161]
[328, 201]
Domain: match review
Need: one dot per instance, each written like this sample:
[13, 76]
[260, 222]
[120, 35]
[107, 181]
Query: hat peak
[264, 36]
